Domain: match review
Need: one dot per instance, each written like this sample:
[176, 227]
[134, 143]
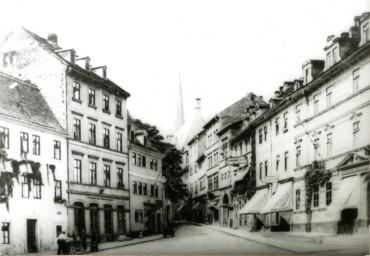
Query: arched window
[79, 216]
[108, 219]
[121, 220]
[94, 217]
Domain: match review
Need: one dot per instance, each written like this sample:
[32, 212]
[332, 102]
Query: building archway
[121, 219]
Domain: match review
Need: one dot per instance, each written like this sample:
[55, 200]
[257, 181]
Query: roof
[234, 112]
[23, 101]
[108, 84]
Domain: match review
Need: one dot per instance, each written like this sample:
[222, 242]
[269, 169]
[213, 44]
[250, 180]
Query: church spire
[180, 120]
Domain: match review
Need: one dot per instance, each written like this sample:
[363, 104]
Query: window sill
[119, 116]
[77, 100]
[92, 106]
[106, 111]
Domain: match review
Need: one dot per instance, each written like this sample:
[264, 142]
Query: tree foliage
[171, 164]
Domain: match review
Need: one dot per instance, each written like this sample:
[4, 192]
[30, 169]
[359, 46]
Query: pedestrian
[83, 240]
[94, 241]
[61, 240]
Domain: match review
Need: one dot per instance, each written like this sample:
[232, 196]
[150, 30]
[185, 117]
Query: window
[77, 129]
[335, 55]
[260, 136]
[316, 146]
[107, 175]
[77, 171]
[215, 181]
[9, 58]
[277, 126]
[329, 92]
[265, 132]
[307, 72]
[93, 173]
[36, 189]
[297, 199]
[356, 80]
[106, 138]
[25, 187]
[120, 177]
[57, 151]
[298, 112]
[145, 189]
[24, 142]
[210, 187]
[261, 166]
[286, 155]
[196, 187]
[5, 229]
[36, 144]
[133, 158]
[4, 137]
[328, 59]
[58, 189]
[152, 190]
[140, 188]
[316, 104]
[215, 155]
[329, 144]
[298, 156]
[92, 134]
[277, 162]
[76, 91]
[119, 141]
[139, 215]
[134, 185]
[143, 161]
[105, 103]
[315, 196]
[365, 33]
[210, 162]
[266, 168]
[286, 120]
[91, 97]
[155, 164]
[156, 191]
[118, 108]
[328, 193]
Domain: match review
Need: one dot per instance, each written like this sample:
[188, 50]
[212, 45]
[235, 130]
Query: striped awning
[256, 203]
[282, 200]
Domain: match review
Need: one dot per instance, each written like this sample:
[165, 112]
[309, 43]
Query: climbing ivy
[316, 175]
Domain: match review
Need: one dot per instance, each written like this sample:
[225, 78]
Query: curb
[124, 245]
[253, 240]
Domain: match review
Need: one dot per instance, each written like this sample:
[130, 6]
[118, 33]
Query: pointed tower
[180, 120]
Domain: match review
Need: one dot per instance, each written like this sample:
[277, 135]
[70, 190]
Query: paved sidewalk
[305, 242]
[112, 245]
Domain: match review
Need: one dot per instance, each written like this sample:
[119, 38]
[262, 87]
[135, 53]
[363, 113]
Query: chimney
[354, 32]
[330, 38]
[100, 71]
[53, 39]
[69, 55]
[84, 62]
[344, 35]
[277, 94]
[197, 103]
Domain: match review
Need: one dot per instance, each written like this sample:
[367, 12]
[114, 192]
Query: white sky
[223, 49]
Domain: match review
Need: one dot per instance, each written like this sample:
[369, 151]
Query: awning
[180, 207]
[196, 206]
[241, 175]
[282, 200]
[348, 194]
[256, 203]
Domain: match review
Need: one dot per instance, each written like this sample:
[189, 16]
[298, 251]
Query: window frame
[106, 137]
[76, 91]
[92, 97]
[77, 171]
[120, 183]
[105, 102]
[77, 129]
[92, 133]
[119, 142]
[118, 108]
[328, 193]
[5, 230]
[93, 173]
[107, 176]
[4, 137]
[24, 140]
[57, 149]
[36, 145]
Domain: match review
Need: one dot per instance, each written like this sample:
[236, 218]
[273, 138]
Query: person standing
[61, 240]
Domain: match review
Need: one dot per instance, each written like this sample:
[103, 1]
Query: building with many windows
[33, 163]
[326, 136]
[147, 197]
[92, 109]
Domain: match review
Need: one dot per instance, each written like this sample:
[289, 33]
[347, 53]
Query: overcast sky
[223, 49]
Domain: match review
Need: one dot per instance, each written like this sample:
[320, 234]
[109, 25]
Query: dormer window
[306, 77]
[335, 55]
[132, 135]
[328, 59]
[145, 141]
[366, 33]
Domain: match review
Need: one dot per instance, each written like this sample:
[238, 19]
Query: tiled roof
[108, 83]
[23, 101]
[235, 111]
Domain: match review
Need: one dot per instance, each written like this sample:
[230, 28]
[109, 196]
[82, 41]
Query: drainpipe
[129, 186]
[67, 140]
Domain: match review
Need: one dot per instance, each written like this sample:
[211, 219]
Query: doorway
[31, 236]
[159, 223]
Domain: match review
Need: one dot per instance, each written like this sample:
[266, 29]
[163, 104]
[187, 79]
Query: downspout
[129, 185]
[67, 140]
